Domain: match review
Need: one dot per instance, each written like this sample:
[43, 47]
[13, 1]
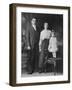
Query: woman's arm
[40, 42]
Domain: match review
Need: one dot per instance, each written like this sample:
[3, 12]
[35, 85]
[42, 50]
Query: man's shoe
[40, 71]
[30, 72]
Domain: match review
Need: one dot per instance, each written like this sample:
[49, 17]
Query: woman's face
[45, 25]
[53, 34]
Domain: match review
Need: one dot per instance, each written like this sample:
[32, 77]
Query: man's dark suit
[33, 41]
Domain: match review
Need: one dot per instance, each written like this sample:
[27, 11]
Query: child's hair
[53, 31]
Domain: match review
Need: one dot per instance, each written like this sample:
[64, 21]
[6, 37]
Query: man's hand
[28, 48]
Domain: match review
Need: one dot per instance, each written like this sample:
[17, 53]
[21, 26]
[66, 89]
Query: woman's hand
[39, 48]
[49, 48]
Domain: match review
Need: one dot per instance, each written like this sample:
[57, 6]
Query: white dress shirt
[34, 26]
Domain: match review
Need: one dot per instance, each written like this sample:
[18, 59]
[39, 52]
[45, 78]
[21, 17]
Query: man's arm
[28, 37]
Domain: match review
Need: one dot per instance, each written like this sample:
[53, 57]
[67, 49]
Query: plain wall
[4, 45]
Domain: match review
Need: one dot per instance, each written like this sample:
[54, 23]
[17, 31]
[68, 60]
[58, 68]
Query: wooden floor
[41, 74]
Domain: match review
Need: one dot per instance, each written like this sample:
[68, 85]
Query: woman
[43, 45]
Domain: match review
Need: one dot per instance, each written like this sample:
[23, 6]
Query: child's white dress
[53, 45]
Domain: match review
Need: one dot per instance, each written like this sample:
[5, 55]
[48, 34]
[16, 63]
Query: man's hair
[33, 18]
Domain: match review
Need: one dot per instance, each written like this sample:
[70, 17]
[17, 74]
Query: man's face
[33, 21]
[45, 25]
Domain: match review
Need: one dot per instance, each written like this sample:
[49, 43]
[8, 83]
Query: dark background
[55, 22]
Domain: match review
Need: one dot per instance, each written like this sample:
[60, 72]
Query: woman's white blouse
[45, 34]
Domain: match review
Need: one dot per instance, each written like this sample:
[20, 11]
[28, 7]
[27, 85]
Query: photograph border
[12, 41]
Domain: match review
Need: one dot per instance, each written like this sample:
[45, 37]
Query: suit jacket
[32, 36]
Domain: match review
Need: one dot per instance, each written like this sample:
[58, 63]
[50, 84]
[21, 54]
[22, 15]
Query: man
[43, 45]
[32, 45]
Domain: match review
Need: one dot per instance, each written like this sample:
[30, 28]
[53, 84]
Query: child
[53, 44]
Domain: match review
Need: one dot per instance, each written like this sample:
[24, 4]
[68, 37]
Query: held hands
[49, 48]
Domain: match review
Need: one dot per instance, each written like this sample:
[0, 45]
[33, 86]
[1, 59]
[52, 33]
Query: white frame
[37, 79]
